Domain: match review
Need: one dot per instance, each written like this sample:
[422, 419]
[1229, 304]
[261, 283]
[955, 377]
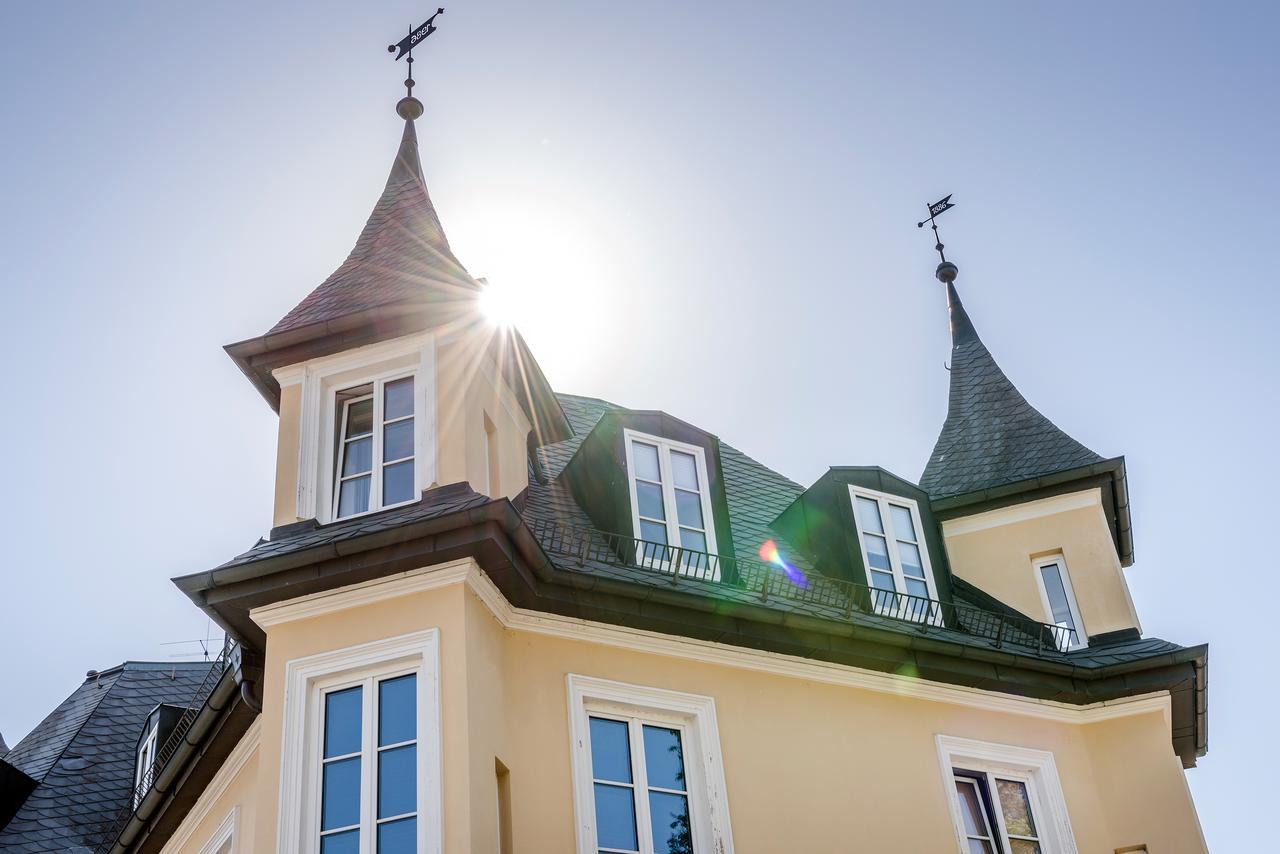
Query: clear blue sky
[703, 208]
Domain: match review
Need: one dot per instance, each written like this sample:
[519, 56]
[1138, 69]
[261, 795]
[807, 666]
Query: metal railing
[164, 752]
[820, 595]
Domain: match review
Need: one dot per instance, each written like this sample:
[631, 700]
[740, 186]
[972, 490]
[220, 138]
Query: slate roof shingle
[992, 435]
[401, 256]
[82, 755]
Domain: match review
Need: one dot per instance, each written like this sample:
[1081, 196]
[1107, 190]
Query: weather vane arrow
[416, 35]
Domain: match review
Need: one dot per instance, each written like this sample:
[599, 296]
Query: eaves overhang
[1106, 474]
[496, 536]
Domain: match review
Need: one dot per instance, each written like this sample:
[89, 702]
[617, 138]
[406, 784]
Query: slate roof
[992, 436]
[82, 754]
[402, 256]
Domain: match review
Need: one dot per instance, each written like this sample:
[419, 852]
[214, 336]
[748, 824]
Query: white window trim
[223, 840]
[1034, 767]
[305, 679]
[668, 493]
[1082, 636]
[884, 499]
[319, 389]
[696, 717]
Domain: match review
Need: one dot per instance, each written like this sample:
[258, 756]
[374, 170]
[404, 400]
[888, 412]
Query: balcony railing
[815, 594]
[164, 752]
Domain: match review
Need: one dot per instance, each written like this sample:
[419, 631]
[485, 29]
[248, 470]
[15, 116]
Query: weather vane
[409, 42]
[935, 209]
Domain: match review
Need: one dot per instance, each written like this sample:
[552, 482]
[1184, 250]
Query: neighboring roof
[402, 256]
[992, 436]
[82, 754]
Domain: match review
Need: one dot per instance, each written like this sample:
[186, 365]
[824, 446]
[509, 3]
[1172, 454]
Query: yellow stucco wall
[995, 550]
[809, 766]
[286, 496]
[239, 792]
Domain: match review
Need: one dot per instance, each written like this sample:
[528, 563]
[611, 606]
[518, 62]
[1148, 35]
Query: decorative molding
[696, 715]
[217, 786]
[224, 840]
[1023, 512]
[467, 571]
[298, 795]
[1045, 788]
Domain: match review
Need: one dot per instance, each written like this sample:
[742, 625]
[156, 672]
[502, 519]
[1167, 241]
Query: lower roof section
[454, 522]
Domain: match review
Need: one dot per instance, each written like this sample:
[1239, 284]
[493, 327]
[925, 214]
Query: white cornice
[1023, 512]
[467, 571]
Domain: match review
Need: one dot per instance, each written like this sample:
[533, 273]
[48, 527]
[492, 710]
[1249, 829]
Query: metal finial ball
[947, 272]
[409, 108]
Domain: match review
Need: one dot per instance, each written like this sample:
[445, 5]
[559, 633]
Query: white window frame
[379, 383]
[1035, 768]
[665, 447]
[1037, 567]
[223, 840]
[694, 716]
[307, 680]
[884, 499]
[148, 750]
[322, 378]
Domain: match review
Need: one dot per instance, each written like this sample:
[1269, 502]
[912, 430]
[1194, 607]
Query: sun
[497, 305]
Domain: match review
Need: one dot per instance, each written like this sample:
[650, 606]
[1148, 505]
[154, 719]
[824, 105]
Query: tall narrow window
[671, 503]
[894, 553]
[491, 460]
[368, 769]
[375, 448]
[1060, 602]
[142, 776]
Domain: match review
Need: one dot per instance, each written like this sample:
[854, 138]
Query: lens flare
[769, 554]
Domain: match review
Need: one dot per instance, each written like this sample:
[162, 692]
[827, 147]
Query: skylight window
[894, 554]
[670, 501]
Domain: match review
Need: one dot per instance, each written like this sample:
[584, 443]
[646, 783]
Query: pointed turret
[401, 256]
[992, 436]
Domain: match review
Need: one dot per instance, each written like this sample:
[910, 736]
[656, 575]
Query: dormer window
[1060, 601]
[375, 447]
[894, 552]
[146, 759]
[670, 500]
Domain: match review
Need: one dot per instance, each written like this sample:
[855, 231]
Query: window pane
[354, 497]
[397, 483]
[610, 753]
[695, 540]
[917, 587]
[971, 809]
[398, 837]
[882, 580]
[911, 563]
[649, 500]
[397, 781]
[340, 798]
[1023, 846]
[357, 456]
[877, 552]
[342, 722]
[397, 440]
[979, 846]
[1016, 808]
[669, 818]
[664, 758]
[398, 400]
[689, 509]
[615, 817]
[397, 709]
[869, 516]
[1057, 594]
[684, 470]
[360, 418]
[903, 527]
[347, 842]
[646, 460]
[653, 532]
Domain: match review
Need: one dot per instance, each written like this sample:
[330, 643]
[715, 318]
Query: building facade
[490, 617]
